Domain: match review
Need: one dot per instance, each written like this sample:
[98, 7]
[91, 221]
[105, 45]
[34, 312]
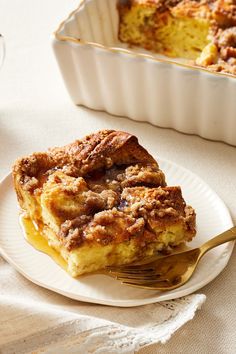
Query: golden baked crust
[203, 31]
[102, 200]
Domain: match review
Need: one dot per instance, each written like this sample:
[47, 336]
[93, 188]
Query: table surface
[36, 112]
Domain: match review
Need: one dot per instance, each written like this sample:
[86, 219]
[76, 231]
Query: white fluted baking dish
[100, 73]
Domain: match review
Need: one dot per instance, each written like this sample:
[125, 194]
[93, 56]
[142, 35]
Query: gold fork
[168, 272]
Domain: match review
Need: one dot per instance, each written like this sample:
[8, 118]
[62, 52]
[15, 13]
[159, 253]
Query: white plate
[212, 218]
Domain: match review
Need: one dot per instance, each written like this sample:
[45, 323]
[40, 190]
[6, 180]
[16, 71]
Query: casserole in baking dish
[201, 30]
[103, 73]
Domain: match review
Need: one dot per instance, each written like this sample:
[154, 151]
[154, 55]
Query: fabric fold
[35, 320]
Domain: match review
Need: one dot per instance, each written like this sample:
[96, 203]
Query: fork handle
[226, 236]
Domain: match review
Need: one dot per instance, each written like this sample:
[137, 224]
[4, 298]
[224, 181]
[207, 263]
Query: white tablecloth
[36, 112]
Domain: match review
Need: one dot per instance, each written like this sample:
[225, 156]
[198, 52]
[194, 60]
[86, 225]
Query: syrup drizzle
[34, 237]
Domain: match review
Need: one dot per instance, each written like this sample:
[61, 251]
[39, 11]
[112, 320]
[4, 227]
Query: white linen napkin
[36, 320]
